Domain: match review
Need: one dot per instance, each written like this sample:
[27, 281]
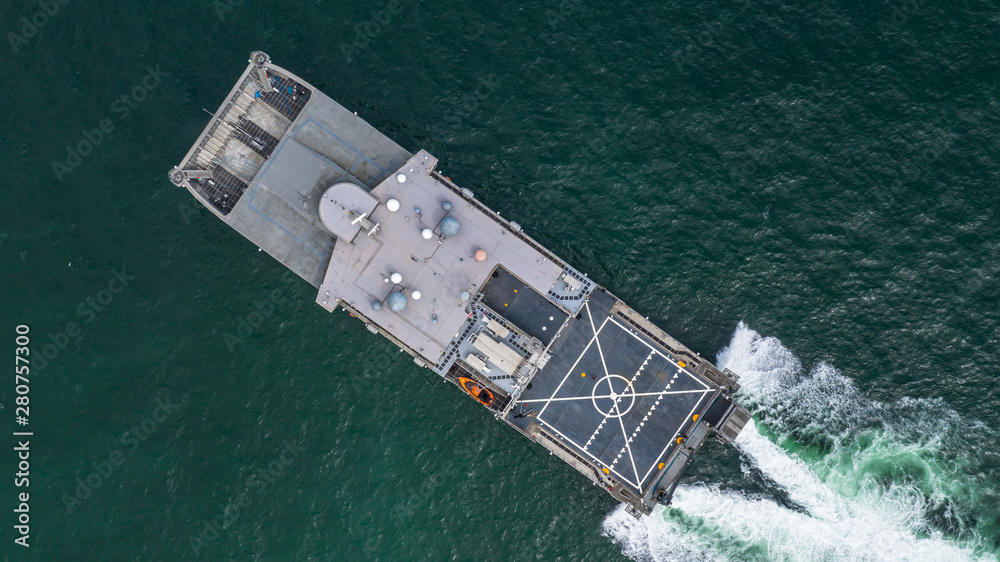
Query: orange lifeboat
[481, 394]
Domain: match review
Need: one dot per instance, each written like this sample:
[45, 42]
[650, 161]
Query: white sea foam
[875, 521]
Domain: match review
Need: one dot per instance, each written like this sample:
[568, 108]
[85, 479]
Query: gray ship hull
[380, 232]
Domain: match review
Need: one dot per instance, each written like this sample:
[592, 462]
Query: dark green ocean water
[807, 191]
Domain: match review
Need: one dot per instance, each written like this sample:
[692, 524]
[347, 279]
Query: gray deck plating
[277, 208]
[439, 268]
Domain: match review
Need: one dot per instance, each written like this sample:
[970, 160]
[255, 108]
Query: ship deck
[614, 396]
[363, 219]
[440, 267]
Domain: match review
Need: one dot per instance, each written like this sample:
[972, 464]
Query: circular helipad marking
[617, 387]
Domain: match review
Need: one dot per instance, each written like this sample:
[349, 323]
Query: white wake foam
[705, 522]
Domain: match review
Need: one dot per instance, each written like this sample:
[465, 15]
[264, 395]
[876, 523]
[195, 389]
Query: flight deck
[614, 397]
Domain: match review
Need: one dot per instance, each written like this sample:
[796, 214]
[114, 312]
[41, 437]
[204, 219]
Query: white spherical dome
[427, 233]
[392, 205]
[415, 295]
[401, 178]
[396, 278]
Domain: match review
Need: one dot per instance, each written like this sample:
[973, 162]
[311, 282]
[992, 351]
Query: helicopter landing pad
[615, 397]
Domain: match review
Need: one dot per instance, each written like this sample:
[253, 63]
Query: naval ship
[384, 235]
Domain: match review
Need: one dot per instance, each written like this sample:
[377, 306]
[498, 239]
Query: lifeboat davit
[480, 393]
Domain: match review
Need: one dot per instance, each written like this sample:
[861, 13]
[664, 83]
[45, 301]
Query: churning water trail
[868, 480]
